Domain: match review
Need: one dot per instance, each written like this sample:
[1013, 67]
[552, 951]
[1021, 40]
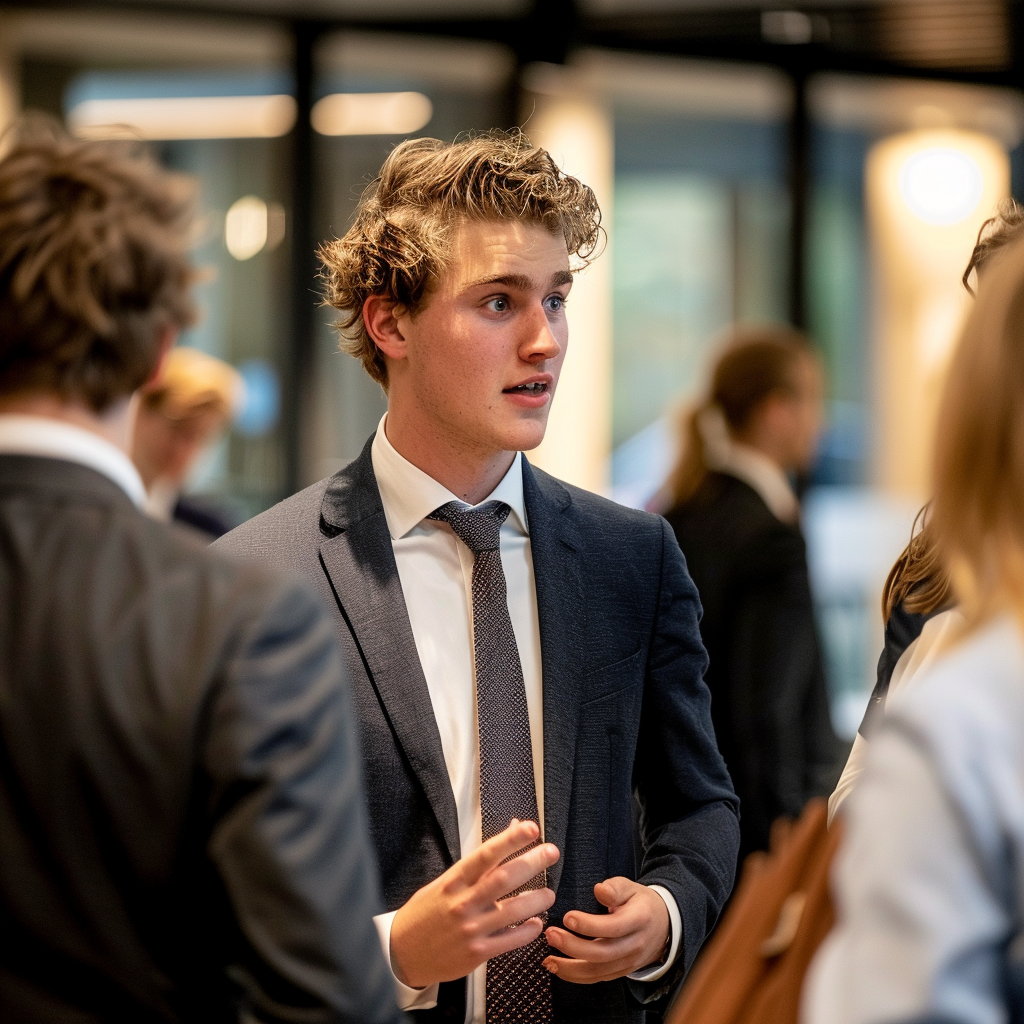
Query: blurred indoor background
[827, 165]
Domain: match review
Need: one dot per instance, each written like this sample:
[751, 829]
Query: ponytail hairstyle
[918, 580]
[756, 363]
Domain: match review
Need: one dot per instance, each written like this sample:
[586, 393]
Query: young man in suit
[182, 828]
[528, 665]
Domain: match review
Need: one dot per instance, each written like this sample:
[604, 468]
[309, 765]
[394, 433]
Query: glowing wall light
[252, 225]
[371, 113]
[928, 193]
[186, 117]
[941, 185]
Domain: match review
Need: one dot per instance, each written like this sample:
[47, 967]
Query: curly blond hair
[400, 239]
[94, 241]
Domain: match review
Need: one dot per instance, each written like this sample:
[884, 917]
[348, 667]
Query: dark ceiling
[978, 40]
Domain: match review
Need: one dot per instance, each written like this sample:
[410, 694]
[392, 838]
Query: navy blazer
[631, 768]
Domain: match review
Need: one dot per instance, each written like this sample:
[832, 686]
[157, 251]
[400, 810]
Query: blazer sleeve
[688, 809]
[288, 837]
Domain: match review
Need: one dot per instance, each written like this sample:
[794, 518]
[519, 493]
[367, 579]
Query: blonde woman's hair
[918, 579]
[978, 507]
[194, 383]
[401, 237]
[755, 363]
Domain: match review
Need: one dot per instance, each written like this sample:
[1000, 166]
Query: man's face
[167, 449]
[808, 413]
[484, 352]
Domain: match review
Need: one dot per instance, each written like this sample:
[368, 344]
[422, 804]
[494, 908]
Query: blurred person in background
[737, 519]
[182, 828]
[928, 884]
[179, 417]
[917, 599]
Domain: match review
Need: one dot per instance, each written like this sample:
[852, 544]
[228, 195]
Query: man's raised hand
[453, 924]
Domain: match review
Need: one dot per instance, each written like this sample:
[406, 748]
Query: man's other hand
[632, 935]
[451, 926]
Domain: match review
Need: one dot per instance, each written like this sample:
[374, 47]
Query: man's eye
[556, 303]
[499, 305]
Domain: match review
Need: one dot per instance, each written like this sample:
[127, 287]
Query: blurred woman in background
[736, 517]
[917, 598]
[930, 899]
[178, 419]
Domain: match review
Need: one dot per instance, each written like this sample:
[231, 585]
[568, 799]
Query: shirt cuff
[675, 931]
[406, 997]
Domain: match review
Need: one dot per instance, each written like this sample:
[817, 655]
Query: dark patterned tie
[518, 987]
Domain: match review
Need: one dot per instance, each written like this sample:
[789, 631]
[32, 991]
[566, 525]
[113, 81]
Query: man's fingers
[507, 877]
[598, 951]
[613, 892]
[519, 834]
[515, 909]
[583, 972]
[602, 926]
[506, 939]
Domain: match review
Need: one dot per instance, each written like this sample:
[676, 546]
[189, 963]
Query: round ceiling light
[941, 185]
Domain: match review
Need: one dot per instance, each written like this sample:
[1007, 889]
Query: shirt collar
[53, 439]
[409, 495]
[726, 455]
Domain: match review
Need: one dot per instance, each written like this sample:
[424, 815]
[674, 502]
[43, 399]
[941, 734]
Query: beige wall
[577, 130]
[920, 302]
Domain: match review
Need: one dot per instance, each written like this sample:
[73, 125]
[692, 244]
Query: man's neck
[469, 473]
[114, 425]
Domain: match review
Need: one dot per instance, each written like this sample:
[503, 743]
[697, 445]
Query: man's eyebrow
[521, 282]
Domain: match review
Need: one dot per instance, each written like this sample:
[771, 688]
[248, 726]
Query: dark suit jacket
[182, 828]
[625, 706]
[768, 697]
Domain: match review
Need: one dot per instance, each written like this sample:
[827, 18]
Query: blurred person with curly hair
[182, 829]
[526, 654]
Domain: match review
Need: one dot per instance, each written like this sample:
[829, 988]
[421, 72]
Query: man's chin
[524, 437]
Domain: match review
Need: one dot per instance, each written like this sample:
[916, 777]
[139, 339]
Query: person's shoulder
[175, 544]
[597, 515]
[730, 508]
[972, 695]
[293, 523]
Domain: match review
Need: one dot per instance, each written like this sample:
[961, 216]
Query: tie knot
[478, 527]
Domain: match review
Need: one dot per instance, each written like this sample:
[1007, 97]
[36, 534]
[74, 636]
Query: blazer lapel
[360, 563]
[561, 609]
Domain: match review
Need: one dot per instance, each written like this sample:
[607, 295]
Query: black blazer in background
[182, 829]
[625, 708]
[768, 697]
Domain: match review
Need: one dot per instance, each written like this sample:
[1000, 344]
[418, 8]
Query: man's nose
[540, 342]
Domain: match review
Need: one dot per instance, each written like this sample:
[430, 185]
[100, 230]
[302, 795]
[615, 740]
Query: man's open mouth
[538, 387]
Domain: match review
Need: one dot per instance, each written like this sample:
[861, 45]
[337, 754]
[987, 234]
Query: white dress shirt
[436, 569]
[726, 455]
[54, 439]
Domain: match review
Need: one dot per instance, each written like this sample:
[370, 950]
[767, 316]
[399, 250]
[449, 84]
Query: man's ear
[168, 337]
[382, 326]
